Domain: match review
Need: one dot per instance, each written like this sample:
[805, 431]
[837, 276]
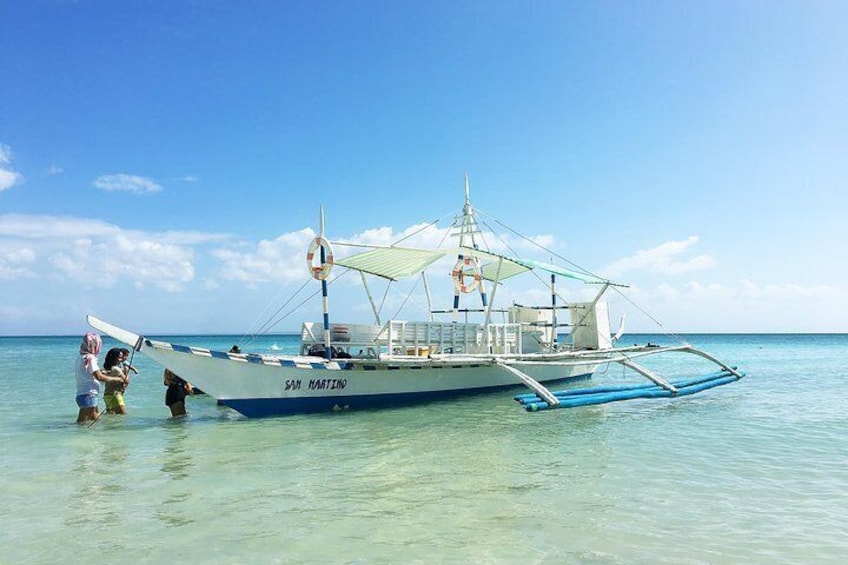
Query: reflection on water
[92, 503]
[177, 463]
[176, 459]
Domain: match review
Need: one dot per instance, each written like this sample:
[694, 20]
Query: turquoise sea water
[752, 472]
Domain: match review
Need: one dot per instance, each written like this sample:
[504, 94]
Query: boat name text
[317, 384]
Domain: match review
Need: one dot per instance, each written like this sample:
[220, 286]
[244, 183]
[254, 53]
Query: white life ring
[321, 271]
[459, 275]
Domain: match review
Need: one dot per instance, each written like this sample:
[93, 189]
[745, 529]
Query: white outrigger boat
[354, 366]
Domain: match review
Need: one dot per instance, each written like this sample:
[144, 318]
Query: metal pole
[455, 305]
[466, 213]
[328, 354]
[554, 311]
[489, 309]
[429, 301]
[370, 298]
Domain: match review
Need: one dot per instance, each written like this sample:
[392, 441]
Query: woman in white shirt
[88, 374]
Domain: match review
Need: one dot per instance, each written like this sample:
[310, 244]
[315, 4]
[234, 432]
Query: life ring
[459, 274]
[322, 271]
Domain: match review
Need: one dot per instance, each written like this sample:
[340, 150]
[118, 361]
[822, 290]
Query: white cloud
[142, 261]
[53, 227]
[93, 253]
[25, 313]
[14, 263]
[69, 252]
[418, 235]
[662, 259]
[55, 170]
[424, 235]
[127, 183]
[282, 259]
[746, 291]
[789, 291]
[740, 306]
[538, 241]
[668, 292]
[8, 177]
[712, 291]
[191, 237]
[22, 256]
[29, 226]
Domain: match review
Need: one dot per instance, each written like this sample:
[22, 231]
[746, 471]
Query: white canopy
[398, 262]
[392, 262]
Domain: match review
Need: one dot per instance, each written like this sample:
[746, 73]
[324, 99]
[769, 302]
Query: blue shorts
[87, 400]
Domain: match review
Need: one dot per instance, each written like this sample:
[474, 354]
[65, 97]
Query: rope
[385, 294]
[247, 339]
[265, 327]
[99, 414]
[657, 322]
[542, 247]
[304, 301]
[446, 234]
[433, 223]
[514, 252]
[583, 270]
[417, 280]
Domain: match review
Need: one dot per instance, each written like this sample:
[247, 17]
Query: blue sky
[162, 163]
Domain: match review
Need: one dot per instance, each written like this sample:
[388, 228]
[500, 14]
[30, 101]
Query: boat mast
[553, 313]
[467, 230]
[328, 354]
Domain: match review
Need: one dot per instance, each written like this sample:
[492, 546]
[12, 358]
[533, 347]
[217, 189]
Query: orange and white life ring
[321, 271]
[458, 274]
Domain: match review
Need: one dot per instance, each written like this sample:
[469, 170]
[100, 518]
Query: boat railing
[428, 338]
[419, 339]
[355, 339]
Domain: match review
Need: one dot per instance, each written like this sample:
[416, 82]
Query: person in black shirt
[176, 393]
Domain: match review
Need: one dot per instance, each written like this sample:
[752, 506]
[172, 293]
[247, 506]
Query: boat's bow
[122, 335]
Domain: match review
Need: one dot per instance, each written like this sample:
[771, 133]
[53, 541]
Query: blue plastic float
[573, 398]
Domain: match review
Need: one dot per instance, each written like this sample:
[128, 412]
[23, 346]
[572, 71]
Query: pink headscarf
[90, 348]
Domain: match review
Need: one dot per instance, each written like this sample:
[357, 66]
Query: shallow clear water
[755, 471]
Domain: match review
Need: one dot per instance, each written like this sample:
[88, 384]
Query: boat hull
[267, 385]
[264, 385]
[264, 407]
